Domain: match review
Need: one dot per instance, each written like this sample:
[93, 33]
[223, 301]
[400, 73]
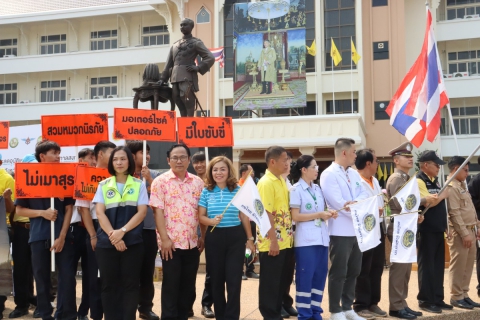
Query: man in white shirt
[341, 186]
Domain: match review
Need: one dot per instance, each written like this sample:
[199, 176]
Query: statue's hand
[159, 82]
[192, 68]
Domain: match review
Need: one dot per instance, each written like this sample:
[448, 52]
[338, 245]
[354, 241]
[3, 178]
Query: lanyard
[314, 198]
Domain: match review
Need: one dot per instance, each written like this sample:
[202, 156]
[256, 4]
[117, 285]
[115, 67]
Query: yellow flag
[385, 172]
[391, 169]
[337, 58]
[355, 55]
[379, 172]
[312, 50]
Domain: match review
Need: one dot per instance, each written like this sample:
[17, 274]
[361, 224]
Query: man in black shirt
[474, 189]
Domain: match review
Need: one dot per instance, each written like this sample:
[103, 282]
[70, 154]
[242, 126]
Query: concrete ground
[249, 300]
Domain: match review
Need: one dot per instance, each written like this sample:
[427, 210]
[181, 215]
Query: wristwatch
[251, 238]
[124, 230]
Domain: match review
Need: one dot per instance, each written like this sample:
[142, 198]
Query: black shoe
[190, 314]
[207, 312]
[472, 303]
[252, 275]
[150, 315]
[444, 306]
[461, 304]
[86, 318]
[402, 314]
[36, 314]
[425, 306]
[291, 311]
[244, 277]
[17, 313]
[285, 314]
[415, 313]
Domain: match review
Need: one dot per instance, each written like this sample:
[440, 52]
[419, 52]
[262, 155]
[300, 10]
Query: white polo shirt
[87, 204]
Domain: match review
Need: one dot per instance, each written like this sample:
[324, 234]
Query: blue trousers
[311, 275]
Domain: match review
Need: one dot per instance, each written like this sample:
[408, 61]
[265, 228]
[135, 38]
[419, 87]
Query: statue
[180, 68]
[151, 90]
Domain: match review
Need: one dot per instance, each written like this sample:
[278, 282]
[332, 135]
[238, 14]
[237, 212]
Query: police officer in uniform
[399, 275]
[431, 245]
[182, 71]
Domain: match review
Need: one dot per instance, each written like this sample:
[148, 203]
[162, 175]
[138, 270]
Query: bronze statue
[180, 68]
[151, 90]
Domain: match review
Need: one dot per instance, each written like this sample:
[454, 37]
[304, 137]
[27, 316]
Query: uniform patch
[110, 194]
[130, 191]
[308, 206]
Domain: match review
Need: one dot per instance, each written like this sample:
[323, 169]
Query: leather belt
[77, 224]
[25, 225]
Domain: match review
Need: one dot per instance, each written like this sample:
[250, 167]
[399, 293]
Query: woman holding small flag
[311, 238]
[225, 237]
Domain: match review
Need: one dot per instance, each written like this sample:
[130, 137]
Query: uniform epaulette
[137, 180]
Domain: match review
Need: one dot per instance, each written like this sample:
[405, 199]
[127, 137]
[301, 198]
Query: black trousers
[41, 265]
[225, 252]
[120, 273]
[94, 282]
[22, 268]
[249, 266]
[207, 296]
[287, 300]
[478, 267]
[178, 285]
[368, 288]
[147, 290]
[273, 281]
[79, 235]
[431, 266]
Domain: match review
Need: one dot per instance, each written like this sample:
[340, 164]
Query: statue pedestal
[283, 84]
[254, 84]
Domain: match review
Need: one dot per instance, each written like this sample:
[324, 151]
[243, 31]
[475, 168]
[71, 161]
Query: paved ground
[249, 300]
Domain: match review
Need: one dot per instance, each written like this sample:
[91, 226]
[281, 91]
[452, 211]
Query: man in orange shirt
[245, 169]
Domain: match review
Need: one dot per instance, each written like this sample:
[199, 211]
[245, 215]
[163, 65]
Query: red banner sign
[44, 180]
[205, 131]
[75, 129]
[4, 128]
[86, 181]
[141, 124]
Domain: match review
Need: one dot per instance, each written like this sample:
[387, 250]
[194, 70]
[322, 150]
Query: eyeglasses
[434, 164]
[181, 158]
[315, 167]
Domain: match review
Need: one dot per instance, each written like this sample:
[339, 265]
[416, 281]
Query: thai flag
[217, 53]
[415, 108]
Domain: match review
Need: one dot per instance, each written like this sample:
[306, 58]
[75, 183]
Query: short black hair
[289, 155]
[44, 146]
[243, 168]
[131, 162]
[456, 161]
[198, 157]
[363, 156]
[85, 152]
[182, 145]
[302, 162]
[135, 145]
[342, 144]
[102, 146]
[274, 152]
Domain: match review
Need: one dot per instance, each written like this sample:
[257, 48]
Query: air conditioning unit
[471, 16]
[24, 101]
[97, 97]
[111, 96]
[75, 99]
[460, 74]
[9, 56]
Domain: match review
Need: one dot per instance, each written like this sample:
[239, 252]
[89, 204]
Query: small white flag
[366, 222]
[409, 196]
[248, 201]
[404, 249]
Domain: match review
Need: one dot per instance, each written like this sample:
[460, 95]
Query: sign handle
[144, 157]
[52, 233]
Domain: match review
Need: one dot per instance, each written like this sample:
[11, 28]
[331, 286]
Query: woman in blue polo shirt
[225, 245]
[311, 238]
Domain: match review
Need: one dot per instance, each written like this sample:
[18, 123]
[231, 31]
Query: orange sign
[4, 127]
[44, 180]
[75, 129]
[205, 132]
[86, 181]
[138, 124]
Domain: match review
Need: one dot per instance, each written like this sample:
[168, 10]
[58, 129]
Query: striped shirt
[215, 202]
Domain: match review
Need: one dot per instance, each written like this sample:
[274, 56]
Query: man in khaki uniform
[399, 274]
[462, 219]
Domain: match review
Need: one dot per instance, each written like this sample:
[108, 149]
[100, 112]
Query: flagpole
[333, 79]
[351, 72]
[453, 128]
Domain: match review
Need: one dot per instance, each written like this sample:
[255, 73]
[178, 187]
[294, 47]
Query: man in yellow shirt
[276, 246]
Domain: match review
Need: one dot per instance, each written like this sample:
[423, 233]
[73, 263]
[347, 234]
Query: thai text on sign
[151, 125]
[86, 181]
[4, 128]
[206, 132]
[75, 129]
[44, 180]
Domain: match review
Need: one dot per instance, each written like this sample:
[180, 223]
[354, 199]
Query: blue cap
[29, 158]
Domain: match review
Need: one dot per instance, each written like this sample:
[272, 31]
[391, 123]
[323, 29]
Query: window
[8, 93]
[8, 47]
[380, 50]
[51, 91]
[156, 35]
[103, 40]
[342, 106]
[463, 9]
[465, 119]
[53, 44]
[203, 16]
[380, 107]
[105, 87]
[379, 3]
[310, 34]
[339, 25]
[463, 63]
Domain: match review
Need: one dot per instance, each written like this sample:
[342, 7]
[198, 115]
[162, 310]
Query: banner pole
[351, 74]
[453, 128]
[333, 78]
[52, 234]
[144, 157]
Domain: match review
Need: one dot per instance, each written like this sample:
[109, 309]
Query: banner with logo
[141, 124]
[4, 129]
[409, 196]
[404, 249]
[86, 181]
[248, 201]
[205, 131]
[366, 222]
